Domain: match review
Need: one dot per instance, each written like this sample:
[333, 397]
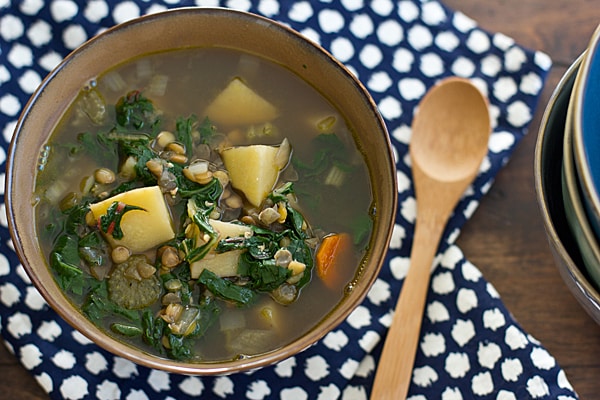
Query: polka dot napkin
[471, 347]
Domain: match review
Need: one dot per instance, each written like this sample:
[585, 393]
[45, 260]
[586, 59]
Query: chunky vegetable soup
[203, 204]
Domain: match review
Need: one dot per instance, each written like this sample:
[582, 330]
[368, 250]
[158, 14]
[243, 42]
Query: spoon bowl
[454, 105]
[450, 135]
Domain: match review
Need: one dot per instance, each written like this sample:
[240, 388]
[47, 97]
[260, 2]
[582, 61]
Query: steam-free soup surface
[203, 204]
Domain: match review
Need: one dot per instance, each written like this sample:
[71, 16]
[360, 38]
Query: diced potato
[142, 229]
[222, 264]
[237, 104]
[252, 341]
[252, 170]
[228, 229]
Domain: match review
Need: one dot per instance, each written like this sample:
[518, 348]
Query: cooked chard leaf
[182, 273]
[302, 253]
[265, 275]
[200, 217]
[69, 276]
[98, 305]
[183, 132]
[260, 247]
[225, 289]
[209, 314]
[180, 347]
[361, 229]
[153, 329]
[64, 260]
[75, 221]
[142, 153]
[125, 137]
[207, 131]
[126, 329]
[187, 189]
[135, 111]
[95, 145]
[281, 193]
[297, 221]
[110, 223]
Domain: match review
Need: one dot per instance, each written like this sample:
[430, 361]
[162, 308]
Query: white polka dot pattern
[470, 345]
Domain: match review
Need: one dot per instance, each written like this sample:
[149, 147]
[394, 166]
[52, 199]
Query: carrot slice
[334, 252]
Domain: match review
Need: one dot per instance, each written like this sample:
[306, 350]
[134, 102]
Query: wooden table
[505, 238]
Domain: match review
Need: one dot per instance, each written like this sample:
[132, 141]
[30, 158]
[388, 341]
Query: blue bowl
[548, 185]
[586, 130]
[574, 206]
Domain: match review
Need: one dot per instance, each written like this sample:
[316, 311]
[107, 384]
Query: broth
[323, 181]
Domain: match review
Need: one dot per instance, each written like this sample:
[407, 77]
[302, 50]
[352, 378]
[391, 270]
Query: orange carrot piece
[333, 253]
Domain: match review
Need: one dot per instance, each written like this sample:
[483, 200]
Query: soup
[203, 204]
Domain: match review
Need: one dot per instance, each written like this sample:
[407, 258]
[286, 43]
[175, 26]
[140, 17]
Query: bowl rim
[573, 204]
[386, 207]
[583, 291]
[589, 177]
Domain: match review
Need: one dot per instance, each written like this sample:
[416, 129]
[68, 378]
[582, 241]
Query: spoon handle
[392, 379]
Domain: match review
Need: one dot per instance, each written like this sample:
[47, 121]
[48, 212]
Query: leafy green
[200, 217]
[281, 193]
[207, 131]
[95, 145]
[180, 346]
[264, 276]
[182, 273]
[126, 329]
[110, 223]
[209, 314]
[183, 132]
[75, 221]
[204, 193]
[258, 263]
[328, 150]
[93, 250]
[152, 329]
[124, 137]
[302, 253]
[98, 305]
[135, 111]
[140, 150]
[361, 228]
[225, 289]
[64, 260]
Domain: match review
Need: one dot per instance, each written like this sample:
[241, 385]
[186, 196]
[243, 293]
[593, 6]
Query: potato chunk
[222, 264]
[237, 104]
[142, 229]
[252, 170]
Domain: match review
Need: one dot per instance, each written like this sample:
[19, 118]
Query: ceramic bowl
[586, 130]
[171, 30]
[575, 213]
[547, 172]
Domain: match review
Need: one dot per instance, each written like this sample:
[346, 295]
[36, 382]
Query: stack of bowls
[567, 173]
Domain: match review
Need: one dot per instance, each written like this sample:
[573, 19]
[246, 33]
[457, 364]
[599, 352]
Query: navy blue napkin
[470, 346]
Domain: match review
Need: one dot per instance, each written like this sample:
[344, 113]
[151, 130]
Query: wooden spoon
[450, 135]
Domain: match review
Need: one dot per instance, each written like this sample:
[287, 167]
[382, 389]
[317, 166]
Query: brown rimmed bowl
[196, 27]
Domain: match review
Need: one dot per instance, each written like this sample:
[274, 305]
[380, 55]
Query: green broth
[183, 83]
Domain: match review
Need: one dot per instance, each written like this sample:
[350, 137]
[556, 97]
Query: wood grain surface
[505, 238]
